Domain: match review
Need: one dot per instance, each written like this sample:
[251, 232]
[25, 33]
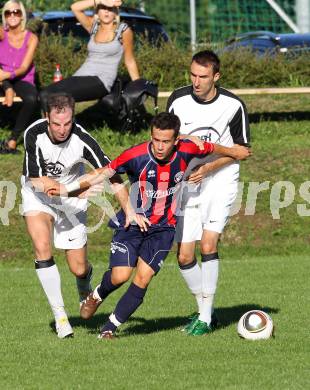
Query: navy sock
[106, 286]
[126, 306]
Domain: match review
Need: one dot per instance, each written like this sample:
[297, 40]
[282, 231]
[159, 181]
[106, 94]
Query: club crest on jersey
[115, 247]
[178, 177]
[54, 169]
[151, 173]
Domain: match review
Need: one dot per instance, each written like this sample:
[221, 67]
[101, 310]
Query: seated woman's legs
[29, 96]
[82, 88]
[8, 93]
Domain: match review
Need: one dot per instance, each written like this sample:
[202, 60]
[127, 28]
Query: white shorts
[211, 214]
[69, 216]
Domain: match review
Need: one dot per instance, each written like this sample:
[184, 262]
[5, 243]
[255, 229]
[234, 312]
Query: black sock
[126, 306]
[106, 286]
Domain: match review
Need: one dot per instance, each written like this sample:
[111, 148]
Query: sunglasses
[110, 9]
[15, 12]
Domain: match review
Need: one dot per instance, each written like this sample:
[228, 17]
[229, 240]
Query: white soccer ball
[255, 325]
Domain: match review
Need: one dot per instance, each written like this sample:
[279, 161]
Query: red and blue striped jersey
[155, 185]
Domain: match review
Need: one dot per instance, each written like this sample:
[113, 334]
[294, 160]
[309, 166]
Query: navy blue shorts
[152, 246]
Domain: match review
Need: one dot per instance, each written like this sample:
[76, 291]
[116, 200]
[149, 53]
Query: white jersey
[222, 120]
[62, 161]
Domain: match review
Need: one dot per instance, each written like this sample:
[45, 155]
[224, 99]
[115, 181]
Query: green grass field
[265, 264]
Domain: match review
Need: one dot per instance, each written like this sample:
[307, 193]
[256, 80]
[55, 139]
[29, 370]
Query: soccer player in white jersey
[55, 150]
[215, 115]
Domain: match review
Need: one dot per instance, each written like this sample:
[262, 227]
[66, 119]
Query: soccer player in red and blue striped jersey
[155, 170]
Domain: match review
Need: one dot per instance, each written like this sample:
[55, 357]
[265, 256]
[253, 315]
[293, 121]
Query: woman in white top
[109, 41]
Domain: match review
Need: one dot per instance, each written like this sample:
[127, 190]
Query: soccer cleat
[63, 328]
[192, 321]
[106, 334]
[84, 285]
[200, 329]
[90, 304]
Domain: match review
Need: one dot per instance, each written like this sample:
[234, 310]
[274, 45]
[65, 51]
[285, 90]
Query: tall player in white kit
[218, 116]
[56, 149]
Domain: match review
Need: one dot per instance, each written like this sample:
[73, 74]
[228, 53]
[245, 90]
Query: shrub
[54, 49]
[169, 64]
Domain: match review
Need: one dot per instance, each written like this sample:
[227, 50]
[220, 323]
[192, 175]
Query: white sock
[193, 278]
[50, 280]
[210, 272]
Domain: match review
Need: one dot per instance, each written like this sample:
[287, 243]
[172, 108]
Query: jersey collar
[159, 162]
[200, 101]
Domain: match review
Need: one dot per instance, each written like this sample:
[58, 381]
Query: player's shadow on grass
[257, 117]
[139, 325]
[93, 324]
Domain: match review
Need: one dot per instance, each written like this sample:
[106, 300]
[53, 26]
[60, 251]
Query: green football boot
[200, 329]
[191, 322]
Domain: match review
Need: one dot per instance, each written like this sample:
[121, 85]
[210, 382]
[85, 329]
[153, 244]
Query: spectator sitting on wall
[109, 40]
[17, 49]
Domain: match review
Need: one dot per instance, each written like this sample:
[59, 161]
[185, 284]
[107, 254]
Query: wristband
[12, 75]
[74, 186]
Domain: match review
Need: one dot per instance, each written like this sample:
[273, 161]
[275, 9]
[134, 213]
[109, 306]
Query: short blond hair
[22, 8]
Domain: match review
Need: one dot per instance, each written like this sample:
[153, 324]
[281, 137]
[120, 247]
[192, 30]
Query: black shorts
[152, 246]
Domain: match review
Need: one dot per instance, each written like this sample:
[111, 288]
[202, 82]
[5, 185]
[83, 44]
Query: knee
[119, 277]
[79, 270]
[42, 249]
[185, 258]
[31, 100]
[142, 280]
[208, 247]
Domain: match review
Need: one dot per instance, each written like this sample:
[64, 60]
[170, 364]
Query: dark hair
[60, 101]
[207, 57]
[165, 121]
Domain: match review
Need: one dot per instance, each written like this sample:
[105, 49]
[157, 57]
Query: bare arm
[121, 194]
[27, 61]
[237, 152]
[203, 171]
[78, 9]
[42, 184]
[129, 57]
[97, 177]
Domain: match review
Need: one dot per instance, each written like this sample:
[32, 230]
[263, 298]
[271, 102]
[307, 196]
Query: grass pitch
[265, 265]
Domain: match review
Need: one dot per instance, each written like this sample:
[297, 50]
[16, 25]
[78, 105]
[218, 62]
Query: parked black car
[266, 42]
[64, 22]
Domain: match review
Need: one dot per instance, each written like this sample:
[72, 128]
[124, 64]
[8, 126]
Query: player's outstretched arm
[202, 171]
[81, 185]
[43, 183]
[237, 152]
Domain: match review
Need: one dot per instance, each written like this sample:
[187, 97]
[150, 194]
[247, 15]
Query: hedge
[168, 65]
